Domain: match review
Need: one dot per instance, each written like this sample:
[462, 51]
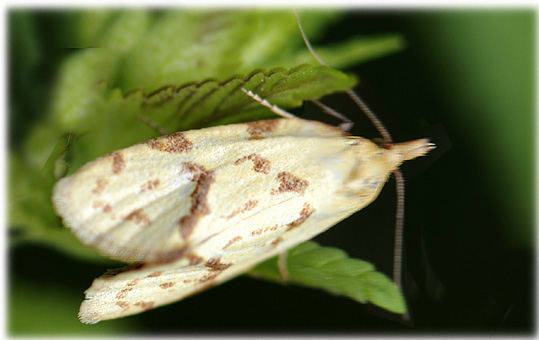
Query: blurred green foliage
[488, 63]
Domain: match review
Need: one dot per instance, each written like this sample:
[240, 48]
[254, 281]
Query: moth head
[401, 152]
[374, 164]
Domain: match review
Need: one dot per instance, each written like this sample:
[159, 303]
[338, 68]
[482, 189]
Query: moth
[200, 207]
[194, 209]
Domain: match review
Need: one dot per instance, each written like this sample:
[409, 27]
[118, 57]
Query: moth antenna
[264, 102]
[372, 117]
[399, 234]
[399, 179]
[359, 102]
[346, 124]
[307, 42]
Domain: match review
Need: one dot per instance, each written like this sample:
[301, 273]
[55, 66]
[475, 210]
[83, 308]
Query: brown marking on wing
[150, 185]
[118, 163]
[123, 293]
[289, 182]
[123, 305]
[145, 305]
[155, 274]
[175, 143]
[209, 276]
[264, 230]
[97, 204]
[132, 283]
[194, 171]
[199, 204]
[249, 205]
[260, 164]
[204, 282]
[232, 241]
[100, 185]
[194, 259]
[138, 217]
[167, 285]
[304, 214]
[256, 129]
[277, 241]
[215, 264]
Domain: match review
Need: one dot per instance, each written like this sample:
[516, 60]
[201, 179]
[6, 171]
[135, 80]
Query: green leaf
[330, 269]
[182, 47]
[358, 49]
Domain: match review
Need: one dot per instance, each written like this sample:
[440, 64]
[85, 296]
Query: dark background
[465, 80]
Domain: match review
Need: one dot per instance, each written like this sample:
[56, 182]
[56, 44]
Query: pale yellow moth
[196, 208]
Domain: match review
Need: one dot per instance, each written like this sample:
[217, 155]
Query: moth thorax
[369, 175]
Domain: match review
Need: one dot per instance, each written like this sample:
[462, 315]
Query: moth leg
[346, 124]
[281, 263]
[274, 108]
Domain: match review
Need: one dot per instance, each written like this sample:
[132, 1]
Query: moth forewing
[132, 199]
